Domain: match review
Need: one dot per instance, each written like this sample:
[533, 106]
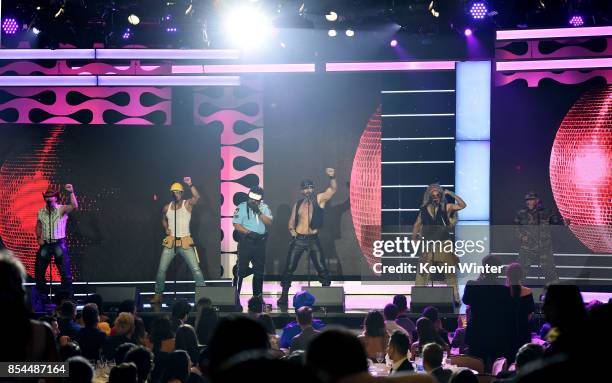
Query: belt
[52, 241]
[307, 237]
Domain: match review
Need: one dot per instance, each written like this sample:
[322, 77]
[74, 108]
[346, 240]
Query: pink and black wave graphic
[86, 105]
[239, 112]
[365, 189]
[62, 67]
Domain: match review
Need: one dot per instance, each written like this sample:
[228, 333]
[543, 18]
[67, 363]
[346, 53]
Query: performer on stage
[533, 230]
[250, 220]
[51, 236]
[434, 224]
[304, 223]
[177, 215]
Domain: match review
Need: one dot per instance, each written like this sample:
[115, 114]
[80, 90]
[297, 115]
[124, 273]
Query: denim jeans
[59, 251]
[166, 257]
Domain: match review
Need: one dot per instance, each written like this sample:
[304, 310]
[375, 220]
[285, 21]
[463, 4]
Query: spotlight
[127, 34]
[478, 10]
[350, 33]
[247, 26]
[133, 19]
[171, 29]
[35, 30]
[467, 32]
[331, 16]
[332, 33]
[576, 21]
[10, 26]
[393, 43]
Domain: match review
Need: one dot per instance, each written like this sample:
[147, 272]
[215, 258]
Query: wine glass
[380, 357]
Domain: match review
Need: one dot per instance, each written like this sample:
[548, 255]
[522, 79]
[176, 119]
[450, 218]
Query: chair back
[468, 361]
[485, 378]
[499, 365]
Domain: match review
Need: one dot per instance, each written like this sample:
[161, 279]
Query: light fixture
[331, 16]
[350, 33]
[133, 19]
[332, 33]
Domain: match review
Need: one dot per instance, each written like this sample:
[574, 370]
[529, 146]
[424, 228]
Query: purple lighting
[393, 43]
[478, 10]
[389, 66]
[171, 29]
[467, 32]
[576, 21]
[10, 26]
[127, 34]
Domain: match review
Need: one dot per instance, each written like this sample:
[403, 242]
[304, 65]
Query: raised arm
[459, 203]
[195, 195]
[74, 204]
[332, 188]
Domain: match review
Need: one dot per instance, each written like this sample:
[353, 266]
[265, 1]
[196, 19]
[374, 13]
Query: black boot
[284, 298]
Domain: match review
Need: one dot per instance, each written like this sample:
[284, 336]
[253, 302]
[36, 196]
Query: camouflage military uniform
[533, 231]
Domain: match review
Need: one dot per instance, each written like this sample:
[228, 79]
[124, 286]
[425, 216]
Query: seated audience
[528, 353]
[122, 330]
[433, 315]
[397, 350]
[143, 359]
[488, 332]
[69, 350]
[301, 299]
[272, 370]
[304, 319]
[402, 316]
[90, 338]
[374, 337]
[255, 307]
[121, 351]
[103, 324]
[163, 341]
[206, 324]
[51, 321]
[459, 335]
[390, 313]
[433, 355]
[123, 373]
[426, 334]
[177, 367]
[140, 332]
[463, 375]
[67, 324]
[187, 340]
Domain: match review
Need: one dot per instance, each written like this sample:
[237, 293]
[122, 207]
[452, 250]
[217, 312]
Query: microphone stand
[309, 252]
[174, 249]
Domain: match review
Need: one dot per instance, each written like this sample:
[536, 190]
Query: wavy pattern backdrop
[240, 113]
[86, 105]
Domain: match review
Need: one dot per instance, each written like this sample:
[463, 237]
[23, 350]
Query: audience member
[271, 370]
[398, 351]
[90, 338]
[304, 319]
[52, 322]
[426, 334]
[68, 350]
[335, 355]
[206, 324]
[268, 324]
[80, 370]
[488, 332]
[187, 340]
[390, 313]
[463, 375]
[123, 373]
[374, 336]
[433, 315]
[67, 324]
[177, 367]
[433, 355]
[523, 307]
[123, 330]
[121, 351]
[164, 342]
[402, 315]
[143, 359]
[255, 306]
[301, 299]
[180, 313]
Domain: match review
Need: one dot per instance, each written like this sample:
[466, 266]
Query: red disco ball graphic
[365, 189]
[581, 171]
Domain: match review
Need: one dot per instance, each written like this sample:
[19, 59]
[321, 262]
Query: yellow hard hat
[176, 187]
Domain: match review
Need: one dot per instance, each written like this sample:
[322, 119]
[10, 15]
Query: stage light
[332, 33]
[133, 19]
[393, 43]
[467, 32]
[350, 33]
[127, 34]
[478, 10]
[247, 26]
[10, 26]
[576, 21]
[331, 16]
[35, 30]
[171, 29]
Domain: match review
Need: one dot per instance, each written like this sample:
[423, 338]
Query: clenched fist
[330, 172]
[69, 188]
[187, 181]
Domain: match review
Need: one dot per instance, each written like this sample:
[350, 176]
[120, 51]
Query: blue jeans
[166, 257]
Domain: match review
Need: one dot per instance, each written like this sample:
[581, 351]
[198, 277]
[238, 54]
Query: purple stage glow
[10, 26]
[554, 64]
[168, 81]
[168, 54]
[576, 21]
[390, 66]
[393, 43]
[478, 10]
[52, 54]
[171, 29]
[553, 33]
[467, 32]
